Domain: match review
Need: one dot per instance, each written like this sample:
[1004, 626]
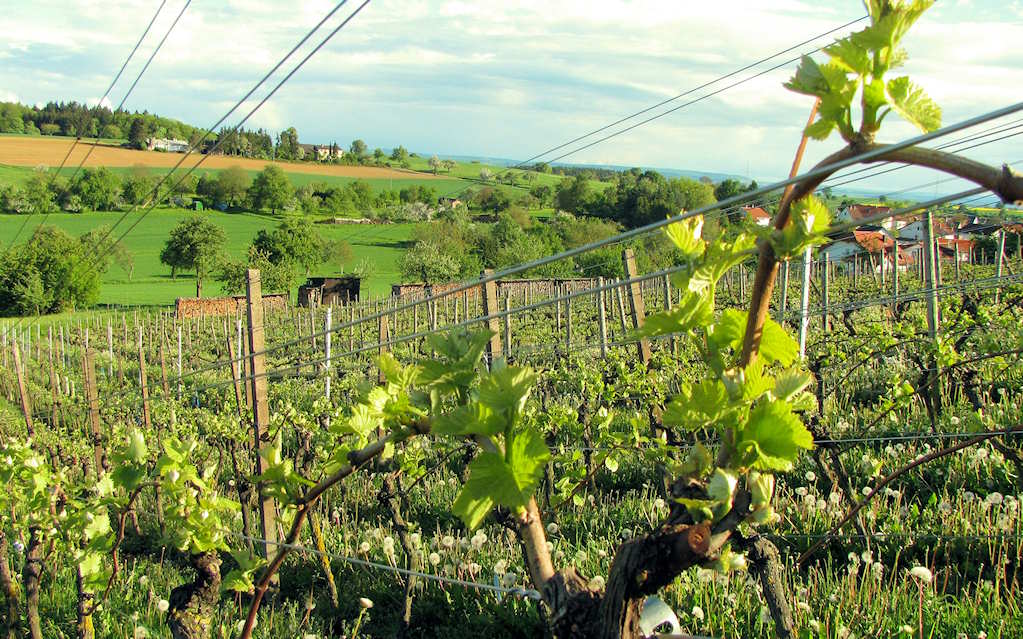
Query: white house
[160, 144]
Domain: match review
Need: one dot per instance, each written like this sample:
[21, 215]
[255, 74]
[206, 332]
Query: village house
[322, 152]
[161, 144]
[759, 216]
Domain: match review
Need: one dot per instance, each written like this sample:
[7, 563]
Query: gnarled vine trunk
[11, 591]
[192, 604]
[31, 575]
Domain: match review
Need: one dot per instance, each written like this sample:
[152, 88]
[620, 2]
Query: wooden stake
[26, 411]
[488, 293]
[99, 455]
[636, 303]
[260, 408]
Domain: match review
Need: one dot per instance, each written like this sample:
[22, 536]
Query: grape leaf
[910, 101]
[772, 437]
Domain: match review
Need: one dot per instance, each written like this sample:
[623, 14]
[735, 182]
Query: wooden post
[384, 333]
[26, 411]
[825, 282]
[507, 326]
[667, 307]
[930, 275]
[89, 370]
[602, 317]
[783, 307]
[620, 299]
[1000, 258]
[804, 307]
[326, 353]
[260, 409]
[636, 303]
[895, 273]
[488, 293]
[568, 325]
[236, 376]
[179, 361]
[163, 366]
[54, 388]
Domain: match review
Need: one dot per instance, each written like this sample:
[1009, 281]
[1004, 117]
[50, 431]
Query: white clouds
[507, 80]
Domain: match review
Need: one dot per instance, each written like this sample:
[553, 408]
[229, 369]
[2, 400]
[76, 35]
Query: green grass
[151, 285]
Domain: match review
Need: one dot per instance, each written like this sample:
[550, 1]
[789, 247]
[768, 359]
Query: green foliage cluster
[74, 119]
[50, 273]
[454, 246]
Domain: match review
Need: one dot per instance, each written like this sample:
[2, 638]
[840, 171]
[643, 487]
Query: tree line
[76, 119]
[234, 188]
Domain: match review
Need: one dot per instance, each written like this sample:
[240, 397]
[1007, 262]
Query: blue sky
[509, 79]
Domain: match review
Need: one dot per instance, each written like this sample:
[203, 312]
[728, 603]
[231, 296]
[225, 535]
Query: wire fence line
[525, 593]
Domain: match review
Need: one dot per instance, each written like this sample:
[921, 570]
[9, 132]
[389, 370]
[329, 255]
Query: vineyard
[765, 439]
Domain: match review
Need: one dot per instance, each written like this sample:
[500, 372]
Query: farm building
[450, 202]
[759, 216]
[161, 144]
[318, 291]
[321, 152]
[857, 213]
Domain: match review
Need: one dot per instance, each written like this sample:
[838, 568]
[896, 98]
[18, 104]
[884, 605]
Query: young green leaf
[772, 437]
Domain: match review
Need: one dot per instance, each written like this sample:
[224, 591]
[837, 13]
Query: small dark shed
[318, 291]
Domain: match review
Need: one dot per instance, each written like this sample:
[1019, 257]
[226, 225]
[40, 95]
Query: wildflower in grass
[803, 606]
[434, 559]
[922, 573]
[697, 613]
[658, 503]
[478, 539]
[552, 528]
[981, 635]
[580, 557]
[602, 553]
[364, 547]
[810, 476]
[365, 603]
[867, 556]
[500, 567]
[388, 543]
[765, 614]
[20, 547]
[143, 580]
[981, 454]
[509, 579]
[822, 505]
[140, 633]
[994, 499]
[969, 496]
[877, 569]
[802, 491]
[803, 593]
[906, 629]
[835, 498]
[163, 605]
[815, 625]
[944, 506]
[415, 539]
[550, 547]
[447, 541]
[867, 490]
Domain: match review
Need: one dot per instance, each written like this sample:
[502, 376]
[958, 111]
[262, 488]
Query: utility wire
[688, 92]
[100, 104]
[642, 230]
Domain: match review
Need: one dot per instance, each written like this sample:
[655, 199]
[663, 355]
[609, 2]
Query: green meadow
[377, 246]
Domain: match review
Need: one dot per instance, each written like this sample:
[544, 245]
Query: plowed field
[33, 151]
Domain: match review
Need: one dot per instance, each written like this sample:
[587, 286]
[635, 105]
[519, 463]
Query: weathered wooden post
[326, 353]
[804, 306]
[488, 292]
[636, 303]
[260, 408]
[602, 316]
[89, 370]
[825, 294]
[26, 410]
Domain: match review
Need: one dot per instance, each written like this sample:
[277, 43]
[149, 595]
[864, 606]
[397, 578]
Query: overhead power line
[106, 93]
